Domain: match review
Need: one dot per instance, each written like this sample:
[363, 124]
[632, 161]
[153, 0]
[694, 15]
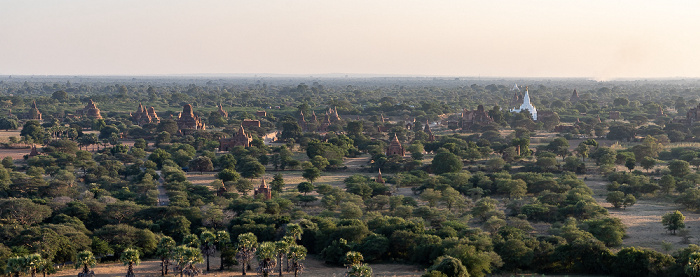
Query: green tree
[616, 198]
[277, 183]
[251, 168]
[431, 196]
[667, 183]
[164, 251]
[692, 268]
[85, 259]
[648, 163]
[449, 266]
[223, 239]
[311, 174]
[131, 258]
[16, 265]
[305, 187]
[266, 258]
[191, 240]
[201, 164]
[679, 168]
[281, 249]
[297, 253]
[247, 246]
[446, 162]
[208, 246]
[186, 258]
[356, 267]
[630, 163]
[8, 124]
[673, 221]
[243, 186]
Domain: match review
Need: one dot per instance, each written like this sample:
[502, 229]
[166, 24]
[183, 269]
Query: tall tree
[85, 259]
[208, 247]
[186, 258]
[266, 258]
[164, 251]
[130, 257]
[223, 239]
[673, 221]
[247, 246]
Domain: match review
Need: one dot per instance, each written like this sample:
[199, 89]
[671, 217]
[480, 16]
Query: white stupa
[515, 88]
[527, 106]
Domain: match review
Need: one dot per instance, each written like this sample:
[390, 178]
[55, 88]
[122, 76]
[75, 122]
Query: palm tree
[294, 230]
[84, 259]
[693, 266]
[16, 265]
[293, 233]
[297, 253]
[266, 256]
[164, 251]
[45, 266]
[186, 257]
[281, 248]
[130, 257]
[32, 262]
[247, 244]
[222, 239]
[191, 240]
[208, 247]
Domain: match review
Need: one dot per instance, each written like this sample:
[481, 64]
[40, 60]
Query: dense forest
[313, 172]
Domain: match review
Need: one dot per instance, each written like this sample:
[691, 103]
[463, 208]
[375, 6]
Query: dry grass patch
[643, 221]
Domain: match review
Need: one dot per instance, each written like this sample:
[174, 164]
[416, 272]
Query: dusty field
[16, 154]
[313, 266]
[643, 220]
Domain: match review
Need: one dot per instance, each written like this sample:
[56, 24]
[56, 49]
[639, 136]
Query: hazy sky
[521, 38]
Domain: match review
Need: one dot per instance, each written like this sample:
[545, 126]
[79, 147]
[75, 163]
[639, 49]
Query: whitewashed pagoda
[527, 106]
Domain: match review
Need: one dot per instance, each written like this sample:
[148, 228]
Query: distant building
[90, 110]
[186, 120]
[250, 123]
[33, 152]
[261, 114]
[264, 190]
[614, 115]
[144, 116]
[691, 116]
[221, 111]
[574, 97]
[429, 132]
[474, 118]
[660, 111]
[33, 113]
[379, 177]
[527, 106]
[239, 139]
[395, 148]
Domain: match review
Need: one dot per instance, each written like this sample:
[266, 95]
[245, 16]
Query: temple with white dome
[527, 106]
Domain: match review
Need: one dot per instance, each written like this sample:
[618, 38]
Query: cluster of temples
[475, 118]
[186, 120]
[239, 139]
[314, 125]
[144, 116]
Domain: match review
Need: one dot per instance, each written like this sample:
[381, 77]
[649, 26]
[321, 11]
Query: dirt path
[163, 199]
[643, 220]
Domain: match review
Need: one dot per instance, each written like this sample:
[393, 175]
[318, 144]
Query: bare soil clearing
[643, 220]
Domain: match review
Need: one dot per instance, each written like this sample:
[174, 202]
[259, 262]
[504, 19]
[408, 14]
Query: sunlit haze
[599, 39]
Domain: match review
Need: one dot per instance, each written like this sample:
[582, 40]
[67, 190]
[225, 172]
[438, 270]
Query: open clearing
[643, 220]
